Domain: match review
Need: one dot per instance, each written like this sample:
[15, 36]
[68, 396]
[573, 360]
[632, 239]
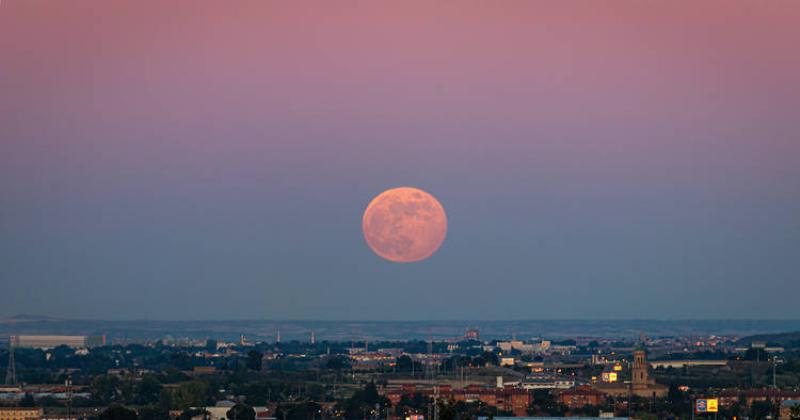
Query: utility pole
[630, 396]
[429, 361]
[774, 383]
[68, 384]
[436, 403]
[652, 402]
[11, 372]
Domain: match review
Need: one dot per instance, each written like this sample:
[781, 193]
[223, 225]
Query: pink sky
[676, 118]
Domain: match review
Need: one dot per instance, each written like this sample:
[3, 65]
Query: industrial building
[52, 341]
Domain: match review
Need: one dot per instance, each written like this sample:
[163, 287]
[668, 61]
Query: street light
[68, 385]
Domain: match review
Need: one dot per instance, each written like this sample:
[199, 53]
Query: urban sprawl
[88, 377]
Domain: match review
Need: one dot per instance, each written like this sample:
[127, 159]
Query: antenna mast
[11, 372]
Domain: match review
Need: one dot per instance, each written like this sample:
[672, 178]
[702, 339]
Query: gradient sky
[204, 160]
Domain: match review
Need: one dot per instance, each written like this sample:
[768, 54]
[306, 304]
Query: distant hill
[388, 330]
[24, 318]
[787, 340]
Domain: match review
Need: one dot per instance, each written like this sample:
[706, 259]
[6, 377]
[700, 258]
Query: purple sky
[197, 160]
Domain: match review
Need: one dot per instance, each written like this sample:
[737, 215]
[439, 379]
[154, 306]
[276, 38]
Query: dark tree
[105, 388]
[371, 396]
[298, 411]
[153, 413]
[254, 360]
[404, 363]
[191, 413]
[762, 409]
[337, 363]
[490, 358]
[241, 412]
[364, 403]
[756, 354]
[447, 411]
[191, 394]
[148, 390]
[118, 412]
[27, 401]
[416, 403]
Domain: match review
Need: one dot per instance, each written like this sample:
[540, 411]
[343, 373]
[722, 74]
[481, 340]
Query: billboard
[713, 406]
[609, 376]
[707, 406]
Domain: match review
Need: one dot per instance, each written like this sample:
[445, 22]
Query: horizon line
[58, 318]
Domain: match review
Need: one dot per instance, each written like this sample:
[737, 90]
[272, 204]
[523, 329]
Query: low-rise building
[56, 391]
[678, 364]
[203, 370]
[506, 361]
[514, 400]
[547, 382]
[581, 396]
[729, 397]
[20, 413]
[220, 412]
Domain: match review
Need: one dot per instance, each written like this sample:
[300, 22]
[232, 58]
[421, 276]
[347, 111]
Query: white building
[52, 341]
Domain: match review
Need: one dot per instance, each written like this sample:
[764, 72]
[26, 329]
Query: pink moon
[404, 224]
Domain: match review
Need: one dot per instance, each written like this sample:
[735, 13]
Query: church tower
[639, 370]
[640, 384]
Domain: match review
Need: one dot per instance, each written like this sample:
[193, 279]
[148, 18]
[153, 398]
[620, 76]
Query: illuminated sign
[707, 406]
[713, 406]
[609, 376]
[700, 406]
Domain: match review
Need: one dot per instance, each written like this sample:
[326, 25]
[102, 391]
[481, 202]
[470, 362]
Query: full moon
[404, 224]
